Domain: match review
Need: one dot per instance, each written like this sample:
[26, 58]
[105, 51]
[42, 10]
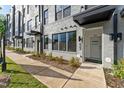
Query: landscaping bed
[17, 50]
[57, 62]
[113, 81]
[19, 78]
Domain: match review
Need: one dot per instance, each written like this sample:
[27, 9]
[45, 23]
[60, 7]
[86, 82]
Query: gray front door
[95, 48]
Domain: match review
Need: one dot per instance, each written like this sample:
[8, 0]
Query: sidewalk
[88, 75]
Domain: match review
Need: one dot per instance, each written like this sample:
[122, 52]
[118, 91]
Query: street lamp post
[3, 49]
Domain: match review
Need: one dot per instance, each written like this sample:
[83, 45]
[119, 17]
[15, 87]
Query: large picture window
[62, 41]
[72, 41]
[46, 42]
[55, 42]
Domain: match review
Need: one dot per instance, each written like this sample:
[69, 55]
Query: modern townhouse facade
[93, 33]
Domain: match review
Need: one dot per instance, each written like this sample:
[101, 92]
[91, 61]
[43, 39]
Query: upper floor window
[66, 11]
[62, 11]
[23, 12]
[27, 9]
[29, 25]
[46, 16]
[58, 12]
[36, 21]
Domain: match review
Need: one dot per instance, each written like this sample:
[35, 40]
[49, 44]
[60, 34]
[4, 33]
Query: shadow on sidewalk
[45, 71]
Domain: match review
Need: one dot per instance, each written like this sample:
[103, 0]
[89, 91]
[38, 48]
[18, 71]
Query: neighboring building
[91, 32]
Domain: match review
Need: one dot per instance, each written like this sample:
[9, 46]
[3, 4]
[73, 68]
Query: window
[29, 42]
[29, 25]
[23, 12]
[67, 11]
[58, 12]
[72, 41]
[62, 11]
[62, 41]
[27, 9]
[55, 42]
[46, 42]
[46, 17]
[36, 21]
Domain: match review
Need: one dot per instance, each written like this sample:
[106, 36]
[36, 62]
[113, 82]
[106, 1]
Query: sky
[5, 9]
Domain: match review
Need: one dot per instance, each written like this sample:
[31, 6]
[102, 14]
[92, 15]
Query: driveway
[88, 75]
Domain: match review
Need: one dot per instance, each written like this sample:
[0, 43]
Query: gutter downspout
[13, 26]
[22, 27]
[115, 31]
[41, 15]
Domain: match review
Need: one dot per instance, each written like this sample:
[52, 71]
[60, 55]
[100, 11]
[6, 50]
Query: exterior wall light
[119, 36]
[79, 38]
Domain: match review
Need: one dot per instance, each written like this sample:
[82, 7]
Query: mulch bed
[112, 81]
[64, 65]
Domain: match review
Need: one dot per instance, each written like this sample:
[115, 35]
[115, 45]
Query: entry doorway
[93, 45]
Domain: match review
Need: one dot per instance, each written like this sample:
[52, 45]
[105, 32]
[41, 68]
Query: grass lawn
[19, 77]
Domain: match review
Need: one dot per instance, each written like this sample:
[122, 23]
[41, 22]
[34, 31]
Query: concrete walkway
[89, 75]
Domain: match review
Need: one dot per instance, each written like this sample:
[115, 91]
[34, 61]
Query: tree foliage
[2, 25]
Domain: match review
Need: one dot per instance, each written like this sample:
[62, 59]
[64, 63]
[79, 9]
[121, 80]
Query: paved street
[89, 75]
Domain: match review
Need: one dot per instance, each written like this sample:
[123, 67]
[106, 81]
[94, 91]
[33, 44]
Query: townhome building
[93, 33]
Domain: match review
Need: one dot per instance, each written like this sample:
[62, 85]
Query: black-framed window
[27, 9]
[72, 41]
[29, 25]
[55, 42]
[36, 21]
[62, 41]
[58, 11]
[66, 11]
[46, 42]
[62, 11]
[23, 12]
[46, 17]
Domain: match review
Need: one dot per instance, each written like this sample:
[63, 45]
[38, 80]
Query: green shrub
[118, 70]
[74, 62]
[10, 48]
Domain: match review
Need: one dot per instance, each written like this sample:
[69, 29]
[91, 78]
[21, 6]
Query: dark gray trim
[115, 31]
[95, 14]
